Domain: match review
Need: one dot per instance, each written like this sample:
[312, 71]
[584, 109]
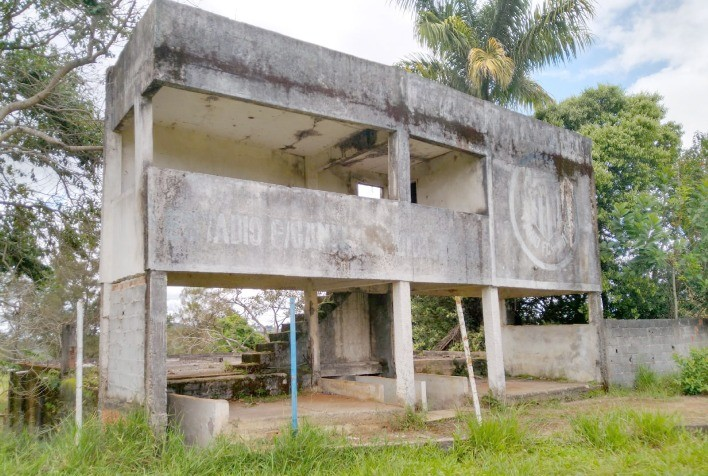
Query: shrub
[693, 376]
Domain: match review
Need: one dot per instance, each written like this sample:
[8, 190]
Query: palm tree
[490, 48]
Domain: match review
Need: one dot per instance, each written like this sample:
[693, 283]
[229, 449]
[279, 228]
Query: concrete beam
[493, 342]
[403, 343]
[311, 310]
[156, 349]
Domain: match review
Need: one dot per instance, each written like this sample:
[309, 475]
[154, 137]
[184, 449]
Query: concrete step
[232, 386]
[245, 368]
[262, 358]
[300, 325]
[278, 346]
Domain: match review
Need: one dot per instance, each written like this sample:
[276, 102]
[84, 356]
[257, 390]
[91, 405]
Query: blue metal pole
[293, 364]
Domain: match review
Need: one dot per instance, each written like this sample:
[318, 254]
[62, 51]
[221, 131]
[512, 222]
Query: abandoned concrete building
[233, 159]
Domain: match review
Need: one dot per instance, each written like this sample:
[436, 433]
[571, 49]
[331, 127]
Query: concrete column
[595, 318]
[493, 342]
[403, 342]
[156, 349]
[313, 321]
[503, 315]
[103, 343]
[399, 166]
[143, 137]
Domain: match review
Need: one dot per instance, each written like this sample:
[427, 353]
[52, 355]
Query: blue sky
[643, 45]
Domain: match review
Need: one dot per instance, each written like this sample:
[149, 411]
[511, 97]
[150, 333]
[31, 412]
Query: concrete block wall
[125, 358]
[649, 342]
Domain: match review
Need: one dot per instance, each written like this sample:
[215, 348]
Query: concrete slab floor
[252, 420]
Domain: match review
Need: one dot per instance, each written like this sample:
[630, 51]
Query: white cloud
[372, 29]
[669, 34]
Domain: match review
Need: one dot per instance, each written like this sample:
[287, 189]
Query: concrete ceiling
[270, 128]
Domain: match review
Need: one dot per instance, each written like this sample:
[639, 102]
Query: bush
[693, 376]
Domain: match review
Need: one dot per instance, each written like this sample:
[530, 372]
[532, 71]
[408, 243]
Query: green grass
[648, 444]
[409, 420]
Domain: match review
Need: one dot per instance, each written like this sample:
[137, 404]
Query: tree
[651, 202]
[490, 49]
[207, 322]
[225, 320]
[50, 125]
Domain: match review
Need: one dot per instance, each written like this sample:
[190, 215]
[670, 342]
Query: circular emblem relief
[542, 209]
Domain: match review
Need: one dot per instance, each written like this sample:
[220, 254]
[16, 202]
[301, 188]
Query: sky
[642, 45]
[657, 46]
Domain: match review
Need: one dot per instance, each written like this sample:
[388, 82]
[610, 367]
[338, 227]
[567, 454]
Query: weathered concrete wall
[389, 389]
[177, 148]
[543, 219]
[649, 342]
[553, 351]
[454, 180]
[126, 353]
[381, 332]
[445, 391]
[199, 419]
[203, 223]
[353, 389]
[345, 333]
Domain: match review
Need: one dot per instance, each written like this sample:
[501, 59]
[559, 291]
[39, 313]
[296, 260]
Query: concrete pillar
[504, 317]
[313, 321]
[403, 342]
[596, 319]
[143, 138]
[493, 342]
[103, 343]
[399, 166]
[156, 349]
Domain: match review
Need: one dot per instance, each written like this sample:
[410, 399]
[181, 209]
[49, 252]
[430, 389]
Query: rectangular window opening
[369, 191]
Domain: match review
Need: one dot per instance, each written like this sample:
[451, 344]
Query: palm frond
[490, 64]
[441, 32]
[508, 17]
[555, 33]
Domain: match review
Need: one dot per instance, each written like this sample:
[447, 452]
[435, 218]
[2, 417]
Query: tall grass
[500, 445]
[624, 429]
[496, 433]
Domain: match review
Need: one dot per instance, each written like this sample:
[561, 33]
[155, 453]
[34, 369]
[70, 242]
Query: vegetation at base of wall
[623, 442]
[693, 373]
[649, 383]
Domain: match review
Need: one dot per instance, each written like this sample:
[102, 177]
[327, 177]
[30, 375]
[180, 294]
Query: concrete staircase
[265, 372]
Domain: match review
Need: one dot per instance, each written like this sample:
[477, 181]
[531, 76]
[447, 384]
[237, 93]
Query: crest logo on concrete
[542, 209]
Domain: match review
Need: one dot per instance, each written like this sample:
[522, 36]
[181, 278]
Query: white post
[79, 362]
[493, 342]
[403, 343]
[468, 357]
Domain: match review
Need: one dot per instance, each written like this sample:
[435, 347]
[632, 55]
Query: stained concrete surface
[252, 420]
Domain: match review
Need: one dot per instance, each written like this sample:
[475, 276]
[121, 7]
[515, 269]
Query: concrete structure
[199, 419]
[649, 342]
[233, 158]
